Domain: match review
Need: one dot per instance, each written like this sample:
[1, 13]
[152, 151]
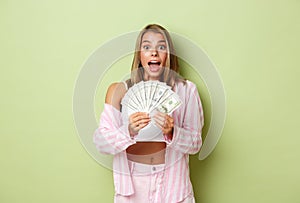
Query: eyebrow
[147, 41]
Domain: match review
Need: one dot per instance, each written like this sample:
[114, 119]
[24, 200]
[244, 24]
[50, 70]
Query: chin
[155, 75]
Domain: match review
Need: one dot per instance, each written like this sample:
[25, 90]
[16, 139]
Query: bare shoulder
[115, 93]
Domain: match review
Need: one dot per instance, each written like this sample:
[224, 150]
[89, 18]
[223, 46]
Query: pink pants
[148, 185]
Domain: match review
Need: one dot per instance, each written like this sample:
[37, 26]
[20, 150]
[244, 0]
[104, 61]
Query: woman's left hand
[164, 122]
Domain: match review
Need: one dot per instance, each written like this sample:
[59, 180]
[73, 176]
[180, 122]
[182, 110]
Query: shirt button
[153, 168]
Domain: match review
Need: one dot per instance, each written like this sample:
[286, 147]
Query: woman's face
[153, 55]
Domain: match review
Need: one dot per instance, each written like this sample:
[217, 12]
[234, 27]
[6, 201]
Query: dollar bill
[169, 104]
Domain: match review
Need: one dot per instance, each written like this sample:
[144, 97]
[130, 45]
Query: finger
[142, 126]
[160, 115]
[159, 123]
[170, 121]
[137, 121]
[165, 118]
[142, 121]
[159, 119]
[136, 128]
[140, 116]
[166, 128]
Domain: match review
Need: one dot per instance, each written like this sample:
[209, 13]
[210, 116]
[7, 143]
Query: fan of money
[149, 96]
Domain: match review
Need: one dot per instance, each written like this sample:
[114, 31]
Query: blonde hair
[170, 74]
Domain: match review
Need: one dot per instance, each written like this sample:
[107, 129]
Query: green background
[254, 45]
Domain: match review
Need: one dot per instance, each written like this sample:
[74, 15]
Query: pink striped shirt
[112, 137]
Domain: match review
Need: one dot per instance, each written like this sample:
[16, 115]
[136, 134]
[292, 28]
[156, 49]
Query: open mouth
[153, 63]
[154, 66]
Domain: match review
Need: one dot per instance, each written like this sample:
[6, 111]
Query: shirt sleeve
[112, 137]
[187, 134]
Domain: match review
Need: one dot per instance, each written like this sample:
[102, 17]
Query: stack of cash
[150, 97]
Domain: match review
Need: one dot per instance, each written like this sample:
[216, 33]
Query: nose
[154, 52]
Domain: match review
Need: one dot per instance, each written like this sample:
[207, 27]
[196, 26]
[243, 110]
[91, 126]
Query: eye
[146, 47]
[162, 47]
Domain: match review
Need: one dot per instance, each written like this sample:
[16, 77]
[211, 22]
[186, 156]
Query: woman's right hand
[137, 121]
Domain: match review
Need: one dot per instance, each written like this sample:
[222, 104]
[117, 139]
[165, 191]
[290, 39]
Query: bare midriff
[147, 152]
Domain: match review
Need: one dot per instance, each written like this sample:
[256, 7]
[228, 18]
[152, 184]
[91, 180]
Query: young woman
[152, 171]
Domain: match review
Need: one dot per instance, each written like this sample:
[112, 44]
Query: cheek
[143, 58]
[164, 58]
